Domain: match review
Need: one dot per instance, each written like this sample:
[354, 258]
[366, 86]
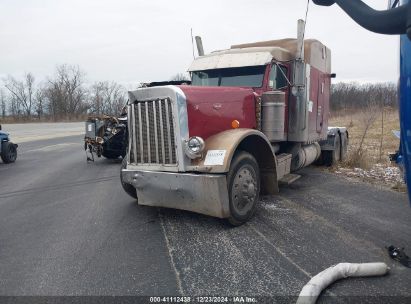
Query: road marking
[288, 259]
[169, 249]
[350, 239]
[283, 254]
[51, 147]
[280, 251]
[29, 138]
[58, 186]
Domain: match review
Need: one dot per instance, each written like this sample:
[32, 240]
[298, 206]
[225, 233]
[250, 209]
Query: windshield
[232, 77]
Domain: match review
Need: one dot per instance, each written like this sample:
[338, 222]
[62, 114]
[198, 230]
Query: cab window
[277, 79]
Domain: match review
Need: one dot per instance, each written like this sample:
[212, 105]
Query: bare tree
[368, 116]
[22, 92]
[40, 98]
[66, 93]
[180, 77]
[348, 96]
[3, 103]
[107, 98]
[96, 98]
[114, 98]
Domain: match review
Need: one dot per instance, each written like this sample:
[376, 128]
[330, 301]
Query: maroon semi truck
[253, 115]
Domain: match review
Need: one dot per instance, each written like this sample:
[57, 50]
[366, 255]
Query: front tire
[8, 152]
[130, 190]
[243, 187]
[110, 155]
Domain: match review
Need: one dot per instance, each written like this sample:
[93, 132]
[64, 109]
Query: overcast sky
[131, 41]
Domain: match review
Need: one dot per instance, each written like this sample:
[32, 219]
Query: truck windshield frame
[250, 76]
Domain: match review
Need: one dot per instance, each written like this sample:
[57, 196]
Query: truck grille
[152, 133]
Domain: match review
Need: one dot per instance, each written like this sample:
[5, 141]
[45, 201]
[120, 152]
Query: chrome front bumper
[201, 193]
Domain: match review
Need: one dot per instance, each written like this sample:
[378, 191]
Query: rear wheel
[243, 188]
[130, 190]
[8, 152]
[331, 158]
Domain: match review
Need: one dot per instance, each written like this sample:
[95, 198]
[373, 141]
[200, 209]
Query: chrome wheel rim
[244, 190]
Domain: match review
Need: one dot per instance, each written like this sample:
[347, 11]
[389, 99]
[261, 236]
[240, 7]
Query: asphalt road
[67, 228]
[27, 132]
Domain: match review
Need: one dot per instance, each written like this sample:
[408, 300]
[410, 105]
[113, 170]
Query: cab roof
[264, 52]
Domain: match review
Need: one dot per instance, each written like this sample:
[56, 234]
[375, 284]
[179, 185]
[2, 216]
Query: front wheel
[130, 190]
[243, 187]
[110, 154]
[8, 152]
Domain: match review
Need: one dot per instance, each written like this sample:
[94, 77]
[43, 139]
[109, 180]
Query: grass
[370, 151]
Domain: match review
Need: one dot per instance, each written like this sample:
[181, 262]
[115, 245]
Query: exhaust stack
[300, 39]
[199, 44]
[297, 125]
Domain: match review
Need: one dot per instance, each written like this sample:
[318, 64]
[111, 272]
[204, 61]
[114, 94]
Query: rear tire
[331, 158]
[243, 182]
[8, 152]
[130, 190]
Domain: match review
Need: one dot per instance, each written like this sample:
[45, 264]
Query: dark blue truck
[8, 150]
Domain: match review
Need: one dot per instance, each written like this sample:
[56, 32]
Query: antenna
[303, 30]
[192, 43]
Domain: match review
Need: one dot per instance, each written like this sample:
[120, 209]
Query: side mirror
[0, 127]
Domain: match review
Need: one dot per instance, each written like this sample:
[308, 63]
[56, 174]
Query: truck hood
[213, 109]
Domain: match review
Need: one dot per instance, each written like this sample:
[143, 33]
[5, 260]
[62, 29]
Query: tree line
[67, 96]
[353, 96]
[64, 96]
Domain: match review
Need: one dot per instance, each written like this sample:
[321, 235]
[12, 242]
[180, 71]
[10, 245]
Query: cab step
[289, 179]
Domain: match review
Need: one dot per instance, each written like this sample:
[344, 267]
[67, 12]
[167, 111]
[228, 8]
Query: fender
[249, 140]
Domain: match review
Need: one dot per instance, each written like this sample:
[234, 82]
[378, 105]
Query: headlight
[194, 147]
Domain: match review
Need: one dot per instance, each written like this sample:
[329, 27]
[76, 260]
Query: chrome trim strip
[133, 122]
[181, 128]
[169, 132]
[155, 129]
[148, 133]
[140, 125]
[163, 152]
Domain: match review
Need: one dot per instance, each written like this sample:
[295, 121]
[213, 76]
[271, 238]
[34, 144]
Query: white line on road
[169, 249]
[280, 251]
[27, 138]
[52, 147]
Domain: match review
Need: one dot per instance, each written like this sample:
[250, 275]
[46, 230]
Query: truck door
[278, 81]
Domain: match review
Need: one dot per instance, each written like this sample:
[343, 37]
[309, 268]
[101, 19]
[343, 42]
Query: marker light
[235, 124]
